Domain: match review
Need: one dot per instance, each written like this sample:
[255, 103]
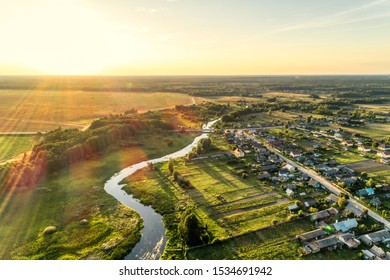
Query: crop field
[369, 166]
[11, 146]
[377, 131]
[40, 110]
[238, 205]
[381, 176]
[270, 243]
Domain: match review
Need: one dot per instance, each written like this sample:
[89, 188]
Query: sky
[194, 37]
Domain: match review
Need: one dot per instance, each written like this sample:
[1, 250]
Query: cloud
[349, 16]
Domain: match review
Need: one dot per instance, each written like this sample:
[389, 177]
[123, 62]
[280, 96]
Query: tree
[190, 229]
[342, 202]
[171, 166]
[370, 183]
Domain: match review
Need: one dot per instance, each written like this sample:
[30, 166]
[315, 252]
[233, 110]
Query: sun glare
[59, 38]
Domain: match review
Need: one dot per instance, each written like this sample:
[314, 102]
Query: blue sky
[195, 37]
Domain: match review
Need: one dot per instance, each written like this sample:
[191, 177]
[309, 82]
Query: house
[375, 202]
[329, 243]
[358, 212]
[324, 214]
[292, 208]
[383, 154]
[314, 183]
[312, 235]
[292, 187]
[264, 175]
[290, 192]
[364, 148]
[366, 192]
[349, 181]
[348, 143]
[289, 167]
[310, 203]
[284, 173]
[368, 255]
[376, 237]
[332, 198]
[239, 153]
[384, 147]
[349, 240]
[377, 251]
[295, 154]
[338, 136]
[346, 225]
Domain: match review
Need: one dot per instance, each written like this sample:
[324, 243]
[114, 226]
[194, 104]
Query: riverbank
[74, 195]
[152, 243]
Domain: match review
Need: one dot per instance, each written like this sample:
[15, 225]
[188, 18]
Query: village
[347, 208]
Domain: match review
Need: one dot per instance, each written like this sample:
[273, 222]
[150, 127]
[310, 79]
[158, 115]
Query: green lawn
[11, 146]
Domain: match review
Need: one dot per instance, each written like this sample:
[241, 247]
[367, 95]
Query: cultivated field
[11, 146]
[41, 110]
[368, 166]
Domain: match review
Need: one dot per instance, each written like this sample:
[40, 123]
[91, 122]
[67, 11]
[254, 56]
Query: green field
[11, 146]
[64, 201]
[271, 243]
[377, 131]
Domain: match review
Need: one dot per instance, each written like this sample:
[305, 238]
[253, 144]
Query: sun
[60, 38]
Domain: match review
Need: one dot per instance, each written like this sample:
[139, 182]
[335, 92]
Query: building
[295, 154]
[384, 147]
[346, 225]
[368, 255]
[378, 251]
[290, 192]
[383, 154]
[349, 240]
[324, 214]
[332, 198]
[314, 183]
[328, 243]
[364, 148]
[239, 153]
[366, 192]
[376, 237]
[312, 235]
[292, 208]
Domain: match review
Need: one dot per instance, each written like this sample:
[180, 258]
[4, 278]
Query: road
[328, 185]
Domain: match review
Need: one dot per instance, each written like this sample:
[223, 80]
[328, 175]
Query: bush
[49, 230]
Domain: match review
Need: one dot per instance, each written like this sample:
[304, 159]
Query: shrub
[49, 230]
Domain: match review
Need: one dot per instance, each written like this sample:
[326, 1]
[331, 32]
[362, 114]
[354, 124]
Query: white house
[383, 154]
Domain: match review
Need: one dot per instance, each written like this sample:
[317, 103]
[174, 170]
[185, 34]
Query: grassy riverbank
[90, 223]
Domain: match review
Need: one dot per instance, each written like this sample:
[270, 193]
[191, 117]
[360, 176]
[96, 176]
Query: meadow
[44, 110]
[90, 223]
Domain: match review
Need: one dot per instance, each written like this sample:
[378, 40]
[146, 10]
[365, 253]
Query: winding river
[153, 239]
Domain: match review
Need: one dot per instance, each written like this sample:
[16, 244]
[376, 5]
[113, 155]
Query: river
[153, 239]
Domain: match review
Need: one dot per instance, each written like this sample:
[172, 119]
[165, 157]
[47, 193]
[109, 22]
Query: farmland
[41, 110]
[11, 146]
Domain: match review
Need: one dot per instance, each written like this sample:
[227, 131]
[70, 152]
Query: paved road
[328, 185]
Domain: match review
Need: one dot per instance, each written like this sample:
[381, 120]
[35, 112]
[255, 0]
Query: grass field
[40, 110]
[76, 194]
[274, 242]
[11, 146]
[381, 176]
[377, 131]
